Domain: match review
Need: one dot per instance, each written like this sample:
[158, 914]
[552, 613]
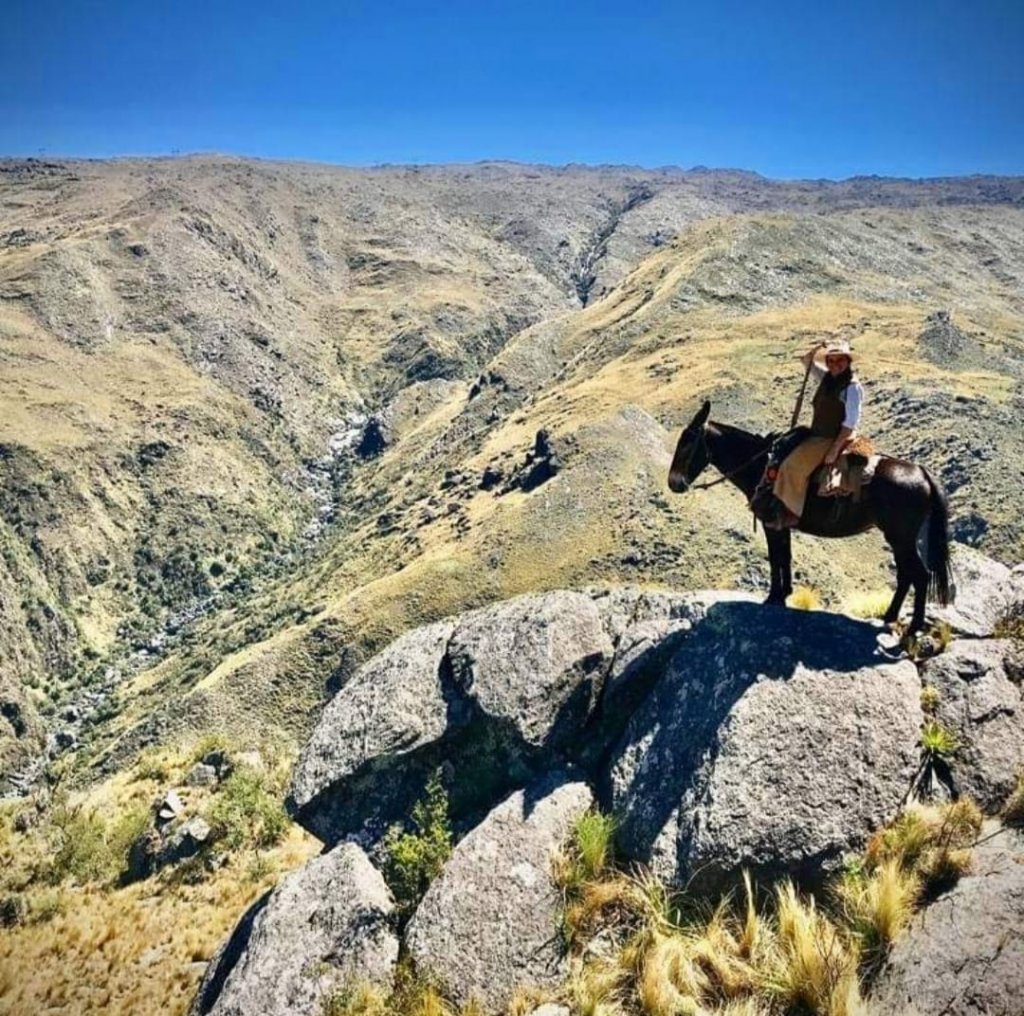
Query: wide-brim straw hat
[839, 347]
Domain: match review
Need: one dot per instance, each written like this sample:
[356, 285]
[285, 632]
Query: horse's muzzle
[678, 483]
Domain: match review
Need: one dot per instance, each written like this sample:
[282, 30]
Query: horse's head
[691, 453]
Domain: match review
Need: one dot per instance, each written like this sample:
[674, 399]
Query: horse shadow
[665, 756]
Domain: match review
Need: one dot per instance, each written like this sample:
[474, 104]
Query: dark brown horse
[902, 500]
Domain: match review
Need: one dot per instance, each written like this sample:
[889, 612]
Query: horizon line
[698, 169]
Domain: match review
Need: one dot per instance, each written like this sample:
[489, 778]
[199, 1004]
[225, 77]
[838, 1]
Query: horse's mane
[728, 428]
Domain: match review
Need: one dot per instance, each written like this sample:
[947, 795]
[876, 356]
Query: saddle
[847, 478]
[853, 470]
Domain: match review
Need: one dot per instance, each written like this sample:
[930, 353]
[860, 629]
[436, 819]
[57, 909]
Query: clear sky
[790, 89]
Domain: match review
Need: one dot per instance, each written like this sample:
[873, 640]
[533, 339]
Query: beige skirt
[796, 471]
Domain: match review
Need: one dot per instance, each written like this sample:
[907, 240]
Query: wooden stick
[803, 388]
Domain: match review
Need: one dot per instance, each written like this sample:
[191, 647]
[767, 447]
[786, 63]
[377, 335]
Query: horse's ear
[705, 412]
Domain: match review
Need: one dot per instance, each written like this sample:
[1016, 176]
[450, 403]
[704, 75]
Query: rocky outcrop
[534, 663]
[369, 735]
[964, 955]
[725, 736]
[981, 701]
[489, 923]
[499, 696]
[986, 592]
[323, 925]
[775, 741]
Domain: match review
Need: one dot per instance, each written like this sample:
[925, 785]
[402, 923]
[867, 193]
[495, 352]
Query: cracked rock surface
[489, 923]
[964, 954]
[981, 702]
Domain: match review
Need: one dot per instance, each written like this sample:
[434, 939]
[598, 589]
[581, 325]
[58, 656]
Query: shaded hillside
[307, 399]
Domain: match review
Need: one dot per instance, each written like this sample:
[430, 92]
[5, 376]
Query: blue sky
[791, 89]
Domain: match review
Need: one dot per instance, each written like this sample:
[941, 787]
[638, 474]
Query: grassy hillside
[257, 419]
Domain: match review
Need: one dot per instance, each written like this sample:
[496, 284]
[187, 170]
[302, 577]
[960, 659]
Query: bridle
[725, 476]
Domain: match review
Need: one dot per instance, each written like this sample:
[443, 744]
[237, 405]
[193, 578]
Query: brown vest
[829, 412]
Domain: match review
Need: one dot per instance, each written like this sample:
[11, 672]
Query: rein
[729, 475]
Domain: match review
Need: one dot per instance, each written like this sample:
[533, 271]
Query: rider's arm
[813, 358]
[845, 433]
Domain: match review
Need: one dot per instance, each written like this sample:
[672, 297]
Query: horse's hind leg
[919, 577]
[910, 571]
[902, 588]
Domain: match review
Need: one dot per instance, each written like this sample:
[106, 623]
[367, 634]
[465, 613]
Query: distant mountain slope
[191, 349]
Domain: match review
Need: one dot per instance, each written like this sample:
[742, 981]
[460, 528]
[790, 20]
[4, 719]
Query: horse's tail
[941, 584]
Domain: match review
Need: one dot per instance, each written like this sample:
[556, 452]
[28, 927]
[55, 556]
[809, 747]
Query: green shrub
[937, 742]
[79, 842]
[414, 859]
[243, 813]
[589, 852]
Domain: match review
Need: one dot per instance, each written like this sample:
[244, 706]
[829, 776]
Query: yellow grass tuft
[879, 906]
[872, 604]
[805, 598]
[814, 969]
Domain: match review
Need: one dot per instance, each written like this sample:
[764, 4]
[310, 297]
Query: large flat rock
[964, 954]
[776, 740]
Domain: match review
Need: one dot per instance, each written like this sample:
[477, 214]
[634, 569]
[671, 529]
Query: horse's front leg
[778, 563]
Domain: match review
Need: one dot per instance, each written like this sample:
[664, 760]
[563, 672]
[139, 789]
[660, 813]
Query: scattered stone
[170, 807]
[65, 739]
[323, 926]
[551, 1009]
[201, 775]
[487, 924]
[491, 477]
[220, 761]
[12, 910]
[185, 841]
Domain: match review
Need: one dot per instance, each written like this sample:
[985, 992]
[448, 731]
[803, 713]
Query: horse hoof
[775, 601]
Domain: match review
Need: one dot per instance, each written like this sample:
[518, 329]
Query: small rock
[251, 759]
[201, 775]
[186, 841]
[65, 739]
[220, 761]
[170, 807]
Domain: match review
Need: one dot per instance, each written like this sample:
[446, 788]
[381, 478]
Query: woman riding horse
[837, 408]
[902, 500]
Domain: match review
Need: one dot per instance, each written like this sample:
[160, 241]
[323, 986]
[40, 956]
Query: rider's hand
[831, 455]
